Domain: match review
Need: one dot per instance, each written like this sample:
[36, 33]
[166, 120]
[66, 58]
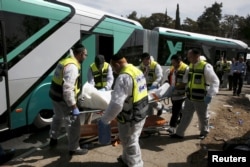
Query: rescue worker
[129, 105]
[230, 76]
[218, 68]
[100, 74]
[202, 85]
[153, 74]
[239, 71]
[178, 78]
[226, 71]
[64, 89]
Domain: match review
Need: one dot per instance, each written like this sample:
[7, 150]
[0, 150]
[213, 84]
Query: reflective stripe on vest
[100, 78]
[139, 95]
[56, 90]
[196, 89]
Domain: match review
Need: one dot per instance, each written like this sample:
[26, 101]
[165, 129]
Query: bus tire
[43, 118]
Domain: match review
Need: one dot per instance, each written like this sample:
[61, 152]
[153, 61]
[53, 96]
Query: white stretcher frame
[148, 130]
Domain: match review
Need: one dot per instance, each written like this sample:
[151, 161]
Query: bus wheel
[44, 118]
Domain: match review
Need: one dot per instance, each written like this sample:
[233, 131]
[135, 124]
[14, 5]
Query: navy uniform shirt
[239, 67]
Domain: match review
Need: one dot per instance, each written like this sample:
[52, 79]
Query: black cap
[117, 56]
[145, 55]
[99, 60]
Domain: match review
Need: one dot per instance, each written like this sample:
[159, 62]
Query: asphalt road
[158, 150]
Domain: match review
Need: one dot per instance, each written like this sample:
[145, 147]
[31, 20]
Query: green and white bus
[162, 43]
[173, 41]
[36, 34]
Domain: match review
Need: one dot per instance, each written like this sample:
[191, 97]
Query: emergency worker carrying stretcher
[129, 104]
[65, 87]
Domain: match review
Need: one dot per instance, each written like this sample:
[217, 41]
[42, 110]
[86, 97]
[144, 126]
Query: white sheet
[92, 98]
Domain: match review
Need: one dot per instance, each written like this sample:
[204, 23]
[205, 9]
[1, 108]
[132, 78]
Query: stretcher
[92, 98]
[89, 130]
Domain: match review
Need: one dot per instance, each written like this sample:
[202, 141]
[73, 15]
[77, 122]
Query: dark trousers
[220, 74]
[176, 111]
[237, 83]
[230, 82]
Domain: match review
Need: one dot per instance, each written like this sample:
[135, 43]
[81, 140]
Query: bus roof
[202, 37]
[82, 9]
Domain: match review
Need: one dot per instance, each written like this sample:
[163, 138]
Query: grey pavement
[158, 150]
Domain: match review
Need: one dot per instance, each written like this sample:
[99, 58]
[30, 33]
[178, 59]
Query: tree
[166, 12]
[244, 29]
[177, 19]
[190, 25]
[232, 26]
[158, 20]
[133, 16]
[142, 20]
[209, 21]
[229, 26]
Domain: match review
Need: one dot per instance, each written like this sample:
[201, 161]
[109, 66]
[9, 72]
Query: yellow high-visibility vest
[179, 78]
[100, 78]
[151, 74]
[196, 89]
[140, 96]
[56, 90]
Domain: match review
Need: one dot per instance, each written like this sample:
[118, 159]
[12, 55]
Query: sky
[188, 8]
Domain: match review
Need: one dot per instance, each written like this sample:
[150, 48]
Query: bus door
[4, 87]
[105, 46]
[95, 44]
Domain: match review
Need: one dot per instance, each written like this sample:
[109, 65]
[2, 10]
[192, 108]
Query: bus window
[21, 27]
[133, 47]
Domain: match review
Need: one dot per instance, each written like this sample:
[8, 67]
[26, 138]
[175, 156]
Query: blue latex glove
[153, 87]
[75, 112]
[207, 99]
[104, 133]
